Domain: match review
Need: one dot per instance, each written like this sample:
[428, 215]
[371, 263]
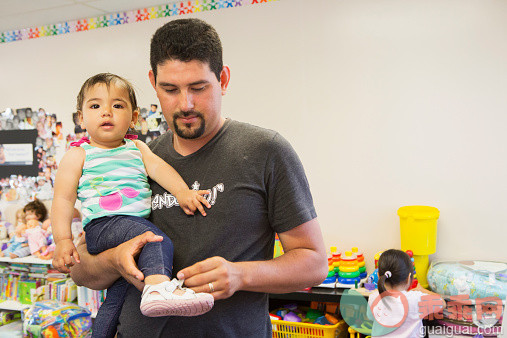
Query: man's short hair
[187, 40]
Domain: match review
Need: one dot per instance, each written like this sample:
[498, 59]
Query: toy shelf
[13, 329]
[26, 260]
[316, 294]
[12, 305]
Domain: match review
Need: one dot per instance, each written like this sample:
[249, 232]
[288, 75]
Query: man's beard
[188, 133]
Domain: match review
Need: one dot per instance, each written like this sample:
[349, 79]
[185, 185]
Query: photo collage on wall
[150, 125]
[29, 138]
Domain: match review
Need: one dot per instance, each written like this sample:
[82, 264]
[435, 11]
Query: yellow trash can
[418, 230]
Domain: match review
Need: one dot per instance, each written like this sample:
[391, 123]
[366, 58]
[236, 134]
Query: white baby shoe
[160, 300]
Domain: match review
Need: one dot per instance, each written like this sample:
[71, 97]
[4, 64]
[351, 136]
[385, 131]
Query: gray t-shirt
[258, 188]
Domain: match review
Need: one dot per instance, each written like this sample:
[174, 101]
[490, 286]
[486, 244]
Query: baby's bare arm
[65, 194]
[165, 175]
[65, 255]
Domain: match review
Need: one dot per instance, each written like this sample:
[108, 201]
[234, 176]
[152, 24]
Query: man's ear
[225, 76]
[153, 81]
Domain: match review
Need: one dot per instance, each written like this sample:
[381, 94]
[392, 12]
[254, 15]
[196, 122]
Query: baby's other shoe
[170, 298]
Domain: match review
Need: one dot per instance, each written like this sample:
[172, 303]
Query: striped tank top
[113, 182]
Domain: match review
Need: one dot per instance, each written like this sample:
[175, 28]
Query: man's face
[190, 96]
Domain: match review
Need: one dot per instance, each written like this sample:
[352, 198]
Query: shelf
[13, 305]
[26, 260]
[13, 329]
[315, 294]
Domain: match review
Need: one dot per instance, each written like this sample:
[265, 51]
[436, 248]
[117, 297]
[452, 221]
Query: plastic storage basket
[284, 329]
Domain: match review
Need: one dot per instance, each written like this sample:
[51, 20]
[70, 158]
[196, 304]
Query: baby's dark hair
[38, 207]
[398, 266]
[107, 79]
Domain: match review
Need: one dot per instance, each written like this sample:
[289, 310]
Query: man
[153, 110]
[257, 188]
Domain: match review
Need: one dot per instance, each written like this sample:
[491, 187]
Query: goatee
[187, 132]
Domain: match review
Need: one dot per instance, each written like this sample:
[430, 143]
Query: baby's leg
[156, 258]
[106, 321]
[103, 234]
[161, 297]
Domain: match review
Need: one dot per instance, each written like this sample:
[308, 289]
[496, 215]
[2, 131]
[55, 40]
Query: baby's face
[107, 114]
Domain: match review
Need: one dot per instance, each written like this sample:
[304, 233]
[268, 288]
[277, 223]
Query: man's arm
[304, 257]
[98, 272]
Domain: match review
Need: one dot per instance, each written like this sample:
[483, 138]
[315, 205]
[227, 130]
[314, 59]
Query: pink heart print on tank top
[114, 201]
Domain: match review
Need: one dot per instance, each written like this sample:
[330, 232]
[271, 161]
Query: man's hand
[125, 254]
[225, 277]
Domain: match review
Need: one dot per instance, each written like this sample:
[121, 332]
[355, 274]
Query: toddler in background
[109, 174]
[392, 301]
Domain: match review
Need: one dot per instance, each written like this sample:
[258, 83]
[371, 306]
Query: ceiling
[18, 14]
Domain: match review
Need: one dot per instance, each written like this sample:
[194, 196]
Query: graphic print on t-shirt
[167, 200]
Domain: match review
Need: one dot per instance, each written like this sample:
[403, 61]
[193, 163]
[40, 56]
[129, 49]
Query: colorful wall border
[121, 18]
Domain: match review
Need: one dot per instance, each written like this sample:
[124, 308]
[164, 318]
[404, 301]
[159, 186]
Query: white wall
[388, 103]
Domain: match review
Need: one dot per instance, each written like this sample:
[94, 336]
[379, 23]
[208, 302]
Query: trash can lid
[418, 212]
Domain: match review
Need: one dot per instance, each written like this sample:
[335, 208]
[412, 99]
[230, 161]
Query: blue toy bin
[480, 282]
[51, 318]
[477, 279]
